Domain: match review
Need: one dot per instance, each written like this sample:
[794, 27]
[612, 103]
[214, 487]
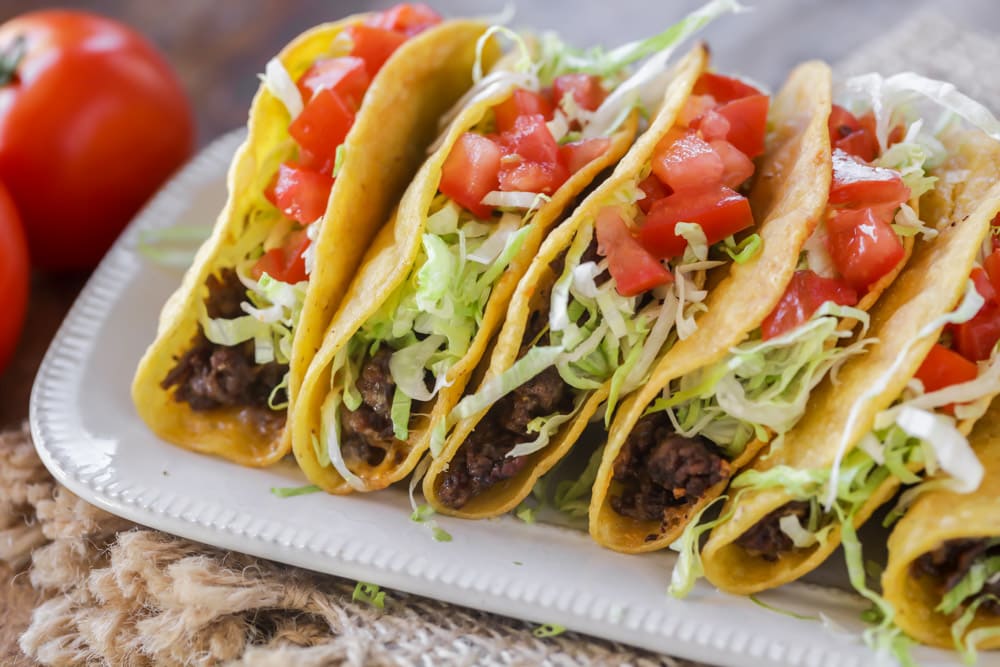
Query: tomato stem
[10, 59]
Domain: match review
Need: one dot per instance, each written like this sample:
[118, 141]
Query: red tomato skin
[471, 171]
[747, 118]
[521, 103]
[842, 123]
[737, 167]
[93, 125]
[409, 18]
[992, 267]
[806, 292]
[286, 263]
[347, 76]
[578, 154]
[942, 368]
[654, 190]
[688, 162]
[694, 108]
[711, 125]
[14, 276]
[861, 144]
[586, 89]
[532, 140]
[323, 125]
[300, 193]
[373, 45]
[532, 177]
[721, 212]
[633, 269]
[856, 184]
[976, 338]
[981, 279]
[722, 88]
[862, 246]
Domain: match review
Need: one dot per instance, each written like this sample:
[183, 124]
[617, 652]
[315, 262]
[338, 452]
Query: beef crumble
[482, 462]
[659, 469]
[366, 433]
[765, 539]
[949, 563]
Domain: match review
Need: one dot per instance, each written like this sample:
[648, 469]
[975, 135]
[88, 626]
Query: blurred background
[218, 47]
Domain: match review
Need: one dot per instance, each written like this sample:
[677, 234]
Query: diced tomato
[711, 125]
[578, 154]
[323, 125]
[521, 103]
[688, 162]
[633, 269]
[992, 266]
[695, 107]
[586, 89]
[806, 292]
[722, 88]
[862, 246]
[537, 177]
[471, 171]
[737, 167]
[721, 212]
[747, 118]
[976, 338]
[373, 45]
[532, 140]
[842, 123]
[861, 144]
[856, 184]
[408, 18]
[655, 191]
[981, 279]
[942, 368]
[300, 193]
[346, 76]
[286, 263]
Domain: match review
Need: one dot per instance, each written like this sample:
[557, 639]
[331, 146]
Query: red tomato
[407, 18]
[373, 45]
[13, 276]
[688, 162]
[586, 89]
[992, 267]
[711, 125]
[806, 292]
[720, 211]
[471, 171]
[521, 103]
[861, 144]
[345, 76]
[842, 123]
[655, 191]
[695, 107]
[285, 263]
[856, 184]
[532, 140]
[747, 118]
[736, 167]
[532, 177]
[862, 246]
[976, 338]
[91, 123]
[323, 125]
[984, 285]
[633, 269]
[300, 193]
[942, 368]
[722, 88]
[578, 154]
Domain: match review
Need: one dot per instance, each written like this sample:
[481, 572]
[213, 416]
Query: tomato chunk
[654, 190]
[711, 125]
[586, 89]
[981, 279]
[736, 167]
[976, 338]
[471, 171]
[842, 123]
[992, 267]
[862, 246]
[521, 103]
[347, 76]
[723, 88]
[857, 184]
[633, 269]
[942, 368]
[285, 263]
[300, 193]
[861, 144]
[323, 125]
[532, 140]
[373, 45]
[408, 18]
[721, 212]
[536, 177]
[688, 162]
[578, 154]
[806, 292]
[747, 118]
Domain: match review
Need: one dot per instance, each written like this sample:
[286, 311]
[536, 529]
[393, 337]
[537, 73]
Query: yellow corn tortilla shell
[935, 518]
[534, 288]
[788, 199]
[397, 120]
[930, 287]
[386, 266]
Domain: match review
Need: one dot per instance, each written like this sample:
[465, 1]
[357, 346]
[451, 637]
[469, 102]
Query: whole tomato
[92, 120]
[13, 277]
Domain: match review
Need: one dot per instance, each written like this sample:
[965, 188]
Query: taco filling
[965, 573]
[240, 356]
[627, 287]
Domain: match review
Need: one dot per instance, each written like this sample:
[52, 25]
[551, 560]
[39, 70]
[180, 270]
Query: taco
[336, 131]
[898, 413]
[943, 557]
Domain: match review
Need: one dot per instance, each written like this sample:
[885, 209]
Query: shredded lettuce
[966, 644]
[291, 491]
[970, 585]
[695, 237]
[279, 83]
[745, 250]
[369, 594]
[548, 630]
[688, 568]
[572, 496]
[424, 514]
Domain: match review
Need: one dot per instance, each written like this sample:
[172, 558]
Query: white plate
[90, 438]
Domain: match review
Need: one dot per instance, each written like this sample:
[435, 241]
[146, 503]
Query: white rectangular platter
[90, 438]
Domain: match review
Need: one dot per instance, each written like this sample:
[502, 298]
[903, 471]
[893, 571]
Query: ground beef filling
[366, 434]
[659, 469]
[482, 462]
[210, 376]
[765, 539]
[950, 562]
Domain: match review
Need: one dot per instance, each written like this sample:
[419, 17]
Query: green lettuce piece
[970, 585]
